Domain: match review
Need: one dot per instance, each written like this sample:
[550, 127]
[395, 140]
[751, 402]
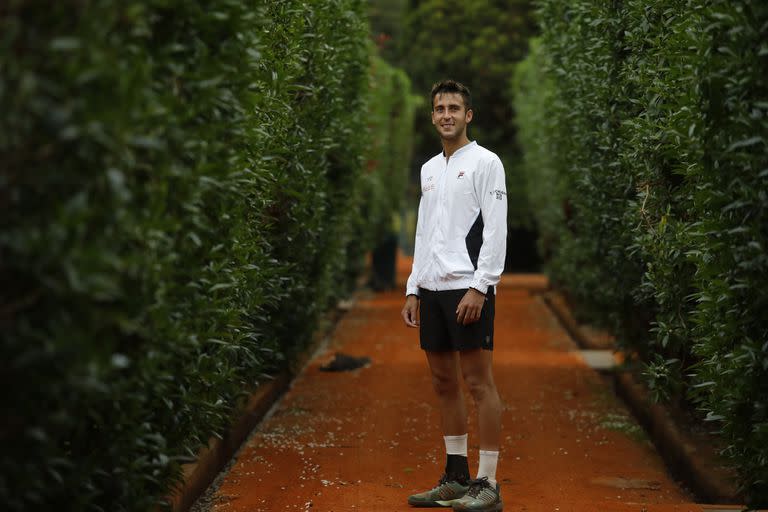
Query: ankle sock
[456, 464]
[457, 468]
[456, 445]
[488, 462]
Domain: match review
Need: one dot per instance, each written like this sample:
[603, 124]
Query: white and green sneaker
[446, 493]
[480, 497]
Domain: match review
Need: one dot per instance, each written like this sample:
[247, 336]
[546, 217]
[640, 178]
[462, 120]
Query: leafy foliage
[645, 126]
[181, 189]
[383, 184]
[584, 226]
[389, 153]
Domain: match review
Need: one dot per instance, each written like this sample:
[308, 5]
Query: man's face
[450, 116]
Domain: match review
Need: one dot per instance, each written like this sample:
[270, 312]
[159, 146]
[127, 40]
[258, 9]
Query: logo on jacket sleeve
[499, 194]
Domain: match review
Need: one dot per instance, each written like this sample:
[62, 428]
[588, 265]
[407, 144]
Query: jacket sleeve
[412, 287]
[492, 193]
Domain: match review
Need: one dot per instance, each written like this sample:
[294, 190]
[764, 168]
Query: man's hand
[470, 307]
[411, 311]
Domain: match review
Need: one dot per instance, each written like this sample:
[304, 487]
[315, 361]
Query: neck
[450, 146]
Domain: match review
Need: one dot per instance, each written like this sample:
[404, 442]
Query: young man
[459, 256]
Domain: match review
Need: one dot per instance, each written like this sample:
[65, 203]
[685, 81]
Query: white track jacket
[461, 232]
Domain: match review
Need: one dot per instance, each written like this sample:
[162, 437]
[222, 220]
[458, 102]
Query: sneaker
[480, 497]
[448, 490]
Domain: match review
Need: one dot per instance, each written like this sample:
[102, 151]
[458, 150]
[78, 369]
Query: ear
[468, 116]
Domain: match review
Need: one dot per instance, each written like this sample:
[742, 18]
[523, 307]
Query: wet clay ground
[364, 440]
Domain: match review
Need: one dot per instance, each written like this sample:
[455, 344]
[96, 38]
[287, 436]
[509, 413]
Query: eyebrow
[450, 105]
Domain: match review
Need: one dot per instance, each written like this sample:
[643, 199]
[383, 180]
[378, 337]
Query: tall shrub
[662, 147]
[729, 237]
[647, 165]
[582, 46]
[534, 91]
[390, 119]
[179, 189]
[390, 148]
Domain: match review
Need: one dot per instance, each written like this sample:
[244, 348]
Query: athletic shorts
[439, 331]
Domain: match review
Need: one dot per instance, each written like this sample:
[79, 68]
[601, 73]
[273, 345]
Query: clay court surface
[366, 439]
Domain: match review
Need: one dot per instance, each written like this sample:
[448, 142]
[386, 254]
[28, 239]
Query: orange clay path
[364, 440]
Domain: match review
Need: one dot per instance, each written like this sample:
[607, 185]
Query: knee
[446, 386]
[480, 387]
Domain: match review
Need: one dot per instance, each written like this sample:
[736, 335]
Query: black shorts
[439, 331]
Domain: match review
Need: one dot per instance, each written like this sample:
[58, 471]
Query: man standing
[458, 259]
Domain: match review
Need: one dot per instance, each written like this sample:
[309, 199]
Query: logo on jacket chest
[429, 184]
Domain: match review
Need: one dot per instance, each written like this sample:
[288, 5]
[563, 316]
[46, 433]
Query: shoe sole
[433, 504]
[498, 507]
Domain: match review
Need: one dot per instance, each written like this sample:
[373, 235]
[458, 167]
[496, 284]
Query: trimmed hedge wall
[645, 125]
[392, 123]
[181, 188]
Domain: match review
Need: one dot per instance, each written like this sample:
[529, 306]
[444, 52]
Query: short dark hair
[451, 86]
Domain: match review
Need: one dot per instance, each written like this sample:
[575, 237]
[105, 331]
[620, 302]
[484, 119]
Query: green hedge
[382, 185]
[392, 121]
[644, 126]
[181, 186]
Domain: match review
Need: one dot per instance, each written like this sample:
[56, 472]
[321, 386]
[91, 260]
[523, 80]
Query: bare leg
[444, 367]
[476, 367]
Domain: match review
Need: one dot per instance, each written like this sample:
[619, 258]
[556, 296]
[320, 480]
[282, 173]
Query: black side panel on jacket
[474, 240]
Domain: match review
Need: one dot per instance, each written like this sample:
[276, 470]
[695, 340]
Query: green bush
[390, 146]
[644, 126]
[180, 195]
[579, 141]
[545, 190]
[390, 119]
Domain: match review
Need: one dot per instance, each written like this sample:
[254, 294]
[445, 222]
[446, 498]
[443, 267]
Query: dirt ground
[364, 440]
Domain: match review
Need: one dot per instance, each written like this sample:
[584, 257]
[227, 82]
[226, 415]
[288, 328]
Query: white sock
[487, 468]
[456, 445]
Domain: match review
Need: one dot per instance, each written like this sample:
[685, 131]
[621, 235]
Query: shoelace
[444, 479]
[447, 478]
[475, 486]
